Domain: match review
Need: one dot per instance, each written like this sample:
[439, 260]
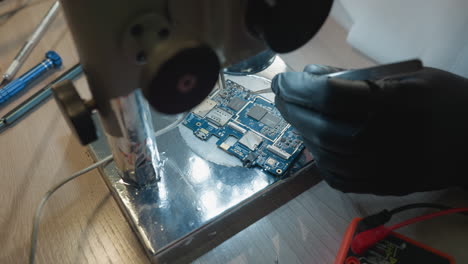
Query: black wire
[382, 217]
[422, 205]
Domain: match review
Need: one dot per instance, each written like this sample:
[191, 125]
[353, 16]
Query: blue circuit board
[247, 126]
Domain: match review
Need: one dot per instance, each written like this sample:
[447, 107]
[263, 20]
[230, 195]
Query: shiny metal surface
[135, 152]
[196, 202]
[380, 71]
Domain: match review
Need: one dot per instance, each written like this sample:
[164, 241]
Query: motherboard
[247, 126]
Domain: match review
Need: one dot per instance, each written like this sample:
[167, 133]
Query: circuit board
[247, 126]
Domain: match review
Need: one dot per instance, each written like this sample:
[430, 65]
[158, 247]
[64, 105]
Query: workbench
[82, 223]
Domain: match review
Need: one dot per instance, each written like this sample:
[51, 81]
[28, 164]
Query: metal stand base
[197, 204]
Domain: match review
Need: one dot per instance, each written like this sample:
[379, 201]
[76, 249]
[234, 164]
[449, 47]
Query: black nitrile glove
[392, 136]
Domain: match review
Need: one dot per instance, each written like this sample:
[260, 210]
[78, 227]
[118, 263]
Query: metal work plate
[199, 202]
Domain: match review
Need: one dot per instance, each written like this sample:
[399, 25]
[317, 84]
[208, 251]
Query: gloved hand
[389, 137]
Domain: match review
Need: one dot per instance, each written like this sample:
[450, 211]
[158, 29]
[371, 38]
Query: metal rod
[221, 80]
[135, 152]
[36, 99]
[380, 71]
[30, 43]
[51, 62]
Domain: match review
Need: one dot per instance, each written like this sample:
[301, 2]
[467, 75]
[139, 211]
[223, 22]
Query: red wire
[426, 217]
[366, 239]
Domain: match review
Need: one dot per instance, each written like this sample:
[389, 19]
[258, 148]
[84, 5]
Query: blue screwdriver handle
[52, 61]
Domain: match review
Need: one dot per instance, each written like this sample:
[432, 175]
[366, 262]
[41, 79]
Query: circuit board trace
[247, 126]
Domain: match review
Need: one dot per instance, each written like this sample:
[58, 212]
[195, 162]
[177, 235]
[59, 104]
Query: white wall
[341, 14]
[434, 30]
[328, 47]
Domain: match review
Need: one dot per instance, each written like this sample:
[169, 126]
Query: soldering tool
[51, 62]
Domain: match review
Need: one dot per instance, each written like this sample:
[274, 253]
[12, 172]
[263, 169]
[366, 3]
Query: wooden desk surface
[83, 224]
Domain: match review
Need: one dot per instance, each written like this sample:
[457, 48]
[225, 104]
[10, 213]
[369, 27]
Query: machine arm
[173, 50]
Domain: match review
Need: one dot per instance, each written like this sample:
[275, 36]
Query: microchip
[256, 112]
[218, 116]
[251, 140]
[270, 120]
[236, 104]
[247, 126]
[204, 108]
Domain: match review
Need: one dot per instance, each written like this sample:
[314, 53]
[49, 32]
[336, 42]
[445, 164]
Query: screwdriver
[36, 99]
[52, 61]
[31, 43]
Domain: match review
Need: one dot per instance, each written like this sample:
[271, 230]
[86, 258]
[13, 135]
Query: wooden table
[83, 224]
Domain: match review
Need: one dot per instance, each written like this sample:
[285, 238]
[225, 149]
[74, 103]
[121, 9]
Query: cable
[427, 217]
[104, 162]
[384, 216]
[417, 206]
[37, 216]
[364, 240]
[171, 126]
